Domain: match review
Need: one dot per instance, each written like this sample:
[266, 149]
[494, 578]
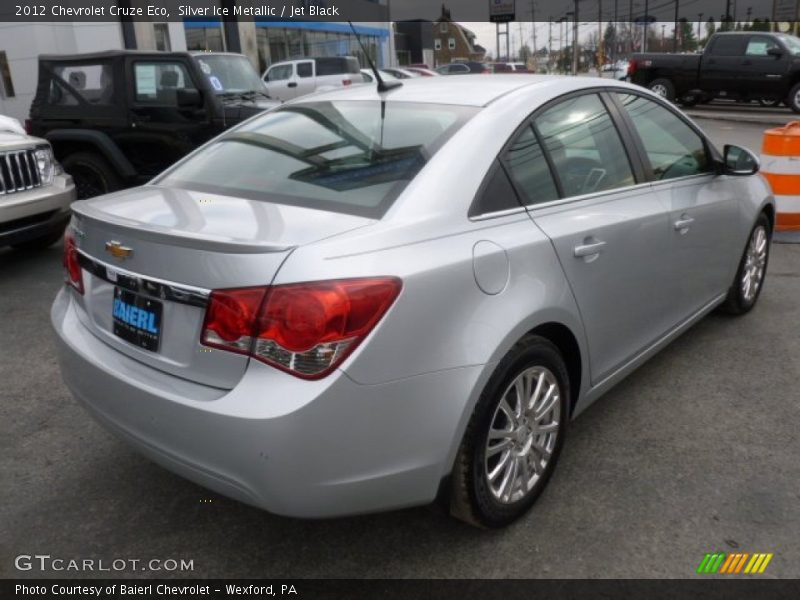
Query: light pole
[699, 25]
[575, 27]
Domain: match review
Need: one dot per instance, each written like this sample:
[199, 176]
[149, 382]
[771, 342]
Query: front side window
[673, 148]
[159, 82]
[528, 167]
[280, 73]
[760, 45]
[346, 156]
[584, 146]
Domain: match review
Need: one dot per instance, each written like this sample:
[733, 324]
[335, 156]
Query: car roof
[466, 90]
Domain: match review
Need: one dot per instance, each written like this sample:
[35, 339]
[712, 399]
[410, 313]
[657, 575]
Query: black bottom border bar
[445, 589]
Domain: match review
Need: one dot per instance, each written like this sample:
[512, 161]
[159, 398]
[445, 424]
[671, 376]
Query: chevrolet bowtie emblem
[117, 250]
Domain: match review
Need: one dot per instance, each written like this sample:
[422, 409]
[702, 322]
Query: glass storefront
[206, 39]
[276, 44]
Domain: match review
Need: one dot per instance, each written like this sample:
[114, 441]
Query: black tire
[738, 302]
[92, 174]
[40, 243]
[471, 496]
[663, 87]
[793, 101]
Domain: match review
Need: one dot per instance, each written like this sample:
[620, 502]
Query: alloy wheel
[522, 435]
[659, 89]
[755, 263]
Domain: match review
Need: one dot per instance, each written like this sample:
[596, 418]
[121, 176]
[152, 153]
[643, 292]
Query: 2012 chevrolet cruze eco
[361, 301]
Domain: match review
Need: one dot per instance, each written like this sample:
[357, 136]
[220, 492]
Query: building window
[443, 27]
[451, 43]
[6, 85]
[208, 39]
[437, 44]
[161, 35]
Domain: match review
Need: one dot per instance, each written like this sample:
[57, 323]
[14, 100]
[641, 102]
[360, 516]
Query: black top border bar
[48, 11]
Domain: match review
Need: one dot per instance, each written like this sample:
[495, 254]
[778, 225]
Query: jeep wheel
[92, 174]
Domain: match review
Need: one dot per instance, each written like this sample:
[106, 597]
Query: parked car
[116, 119]
[462, 68]
[423, 71]
[35, 193]
[368, 76]
[294, 78]
[402, 73]
[501, 67]
[362, 301]
[736, 65]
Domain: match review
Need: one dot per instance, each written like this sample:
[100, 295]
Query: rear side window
[584, 146]
[337, 65]
[528, 167]
[305, 69]
[729, 45]
[353, 157]
[496, 194]
[673, 148]
[92, 83]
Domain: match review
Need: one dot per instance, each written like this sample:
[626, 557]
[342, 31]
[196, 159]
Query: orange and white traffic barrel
[780, 165]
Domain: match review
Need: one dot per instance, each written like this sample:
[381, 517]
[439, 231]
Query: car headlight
[46, 164]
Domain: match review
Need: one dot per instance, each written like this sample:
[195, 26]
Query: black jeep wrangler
[116, 119]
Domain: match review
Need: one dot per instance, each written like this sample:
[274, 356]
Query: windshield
[344, 156]
[230, 73]
[792, 43]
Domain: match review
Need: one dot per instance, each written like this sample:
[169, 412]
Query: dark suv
[116, 119]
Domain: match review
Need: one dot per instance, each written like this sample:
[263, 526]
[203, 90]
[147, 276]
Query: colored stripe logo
[734, 563]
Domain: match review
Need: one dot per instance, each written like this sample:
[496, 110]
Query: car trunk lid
[150, 256]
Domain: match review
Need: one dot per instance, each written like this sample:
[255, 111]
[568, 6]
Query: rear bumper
[297, 448]
[28, 215]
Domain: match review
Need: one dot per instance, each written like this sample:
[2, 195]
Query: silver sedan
[367, 300]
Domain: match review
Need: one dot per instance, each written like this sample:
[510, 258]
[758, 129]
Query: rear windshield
[337, 65]
[352, 157]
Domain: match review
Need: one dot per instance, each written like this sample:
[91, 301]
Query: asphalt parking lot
[696, 452]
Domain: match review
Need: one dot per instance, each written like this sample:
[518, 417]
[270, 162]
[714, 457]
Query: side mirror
[739, 161]
[188, 98]
[777, 52]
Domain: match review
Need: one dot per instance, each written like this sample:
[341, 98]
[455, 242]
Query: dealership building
[263, 41]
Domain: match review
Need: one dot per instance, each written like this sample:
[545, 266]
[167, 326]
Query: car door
[761, 72]
[703, 208]
[609, 233]
[719, 72]
[304, 77]
[161, 131]
[279, 83]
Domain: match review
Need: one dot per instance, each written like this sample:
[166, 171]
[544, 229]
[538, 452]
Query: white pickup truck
[294, 78]
[35, 193]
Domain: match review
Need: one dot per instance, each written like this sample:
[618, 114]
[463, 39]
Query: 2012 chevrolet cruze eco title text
[366, 300]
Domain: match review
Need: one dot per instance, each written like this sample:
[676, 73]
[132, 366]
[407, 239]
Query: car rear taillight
[346, 82]
[73, 275]
[306, 329]
[631, 68]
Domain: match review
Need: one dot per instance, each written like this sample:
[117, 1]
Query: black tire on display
[793, 101]
[750, 275]
[664, 88]
[92, 174]
[514, 436]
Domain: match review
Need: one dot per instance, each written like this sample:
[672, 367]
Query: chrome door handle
[682, 224]
[591, 249]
